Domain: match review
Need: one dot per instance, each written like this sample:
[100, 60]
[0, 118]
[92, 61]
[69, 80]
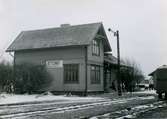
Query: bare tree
[131, 75]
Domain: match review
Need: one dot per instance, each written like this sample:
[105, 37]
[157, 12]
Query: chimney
[64, 25]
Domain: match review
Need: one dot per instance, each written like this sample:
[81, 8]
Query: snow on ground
[12, 98]
[145, 92]
[128, 114]
[147, 97]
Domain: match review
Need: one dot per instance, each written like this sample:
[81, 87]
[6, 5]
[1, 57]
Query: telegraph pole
[116, 34]
[118, 61]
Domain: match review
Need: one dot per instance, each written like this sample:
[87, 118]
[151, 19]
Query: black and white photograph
[83, 59]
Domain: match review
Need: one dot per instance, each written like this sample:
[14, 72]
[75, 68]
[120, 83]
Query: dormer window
[96, 47]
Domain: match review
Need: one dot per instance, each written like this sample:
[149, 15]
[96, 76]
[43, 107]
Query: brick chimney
[65, 25]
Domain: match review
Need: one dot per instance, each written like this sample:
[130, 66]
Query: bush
[6, 77]
[30, 78]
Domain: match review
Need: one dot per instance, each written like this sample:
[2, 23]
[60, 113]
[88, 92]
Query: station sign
[54, 63]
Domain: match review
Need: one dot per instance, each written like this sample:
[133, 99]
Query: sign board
[54, 63]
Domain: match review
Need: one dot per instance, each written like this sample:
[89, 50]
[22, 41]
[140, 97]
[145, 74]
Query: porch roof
[113, 60]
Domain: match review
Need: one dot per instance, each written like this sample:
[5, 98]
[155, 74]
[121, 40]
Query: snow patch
[145, 92]
[12, 98]
[147, 97]
[93, 118]
[141, 107]
[126, 117]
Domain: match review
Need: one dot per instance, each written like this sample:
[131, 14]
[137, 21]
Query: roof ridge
[51, 28]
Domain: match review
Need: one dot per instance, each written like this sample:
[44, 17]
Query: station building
[76, 56]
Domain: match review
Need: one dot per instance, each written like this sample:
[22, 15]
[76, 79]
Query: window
[96, 47]
[95, 74]
[71, 73]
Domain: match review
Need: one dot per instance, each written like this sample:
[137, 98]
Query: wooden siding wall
[97, 60]
[69, 55]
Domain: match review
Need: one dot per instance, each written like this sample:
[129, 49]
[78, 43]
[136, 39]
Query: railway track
[132, 112]
[31, 111]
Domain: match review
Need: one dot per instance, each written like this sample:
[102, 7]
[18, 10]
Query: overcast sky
[142, 23]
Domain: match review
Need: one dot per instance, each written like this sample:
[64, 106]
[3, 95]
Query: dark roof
[159, 68]
[58, 37]
[113, 60]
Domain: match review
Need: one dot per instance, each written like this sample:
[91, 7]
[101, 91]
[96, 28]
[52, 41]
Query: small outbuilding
[159, 77]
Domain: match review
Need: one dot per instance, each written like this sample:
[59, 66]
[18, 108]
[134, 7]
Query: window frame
[71, 73]
[96, 47]
[95, 74]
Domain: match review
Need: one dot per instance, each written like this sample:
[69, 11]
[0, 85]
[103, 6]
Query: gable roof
[58, 37]
[163, 67]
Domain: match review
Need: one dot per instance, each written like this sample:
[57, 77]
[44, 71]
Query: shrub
[30, 78]
[6, 77]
